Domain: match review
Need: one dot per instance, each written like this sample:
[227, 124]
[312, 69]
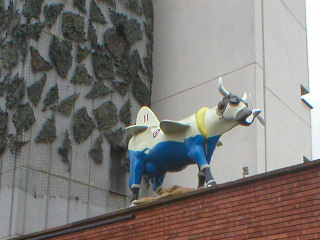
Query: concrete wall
[286, 67]
[256, 46]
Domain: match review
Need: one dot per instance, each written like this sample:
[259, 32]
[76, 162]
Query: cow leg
[157, 184]
[135, 193]
[196, 151]
[201, 179]
[208, 176]
[136, 173]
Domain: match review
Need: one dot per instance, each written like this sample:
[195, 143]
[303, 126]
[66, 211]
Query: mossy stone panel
[3, 123]
[133, 5]
[102, 65]
[2, 88]
[3, 144]
[22, 32]
[118, 18]
[82, 53]
[133, 31]
[95, 14]
[111, 3]
[130, 28]
[9, 55]
[135, 57]
[51, 98]
[81, 76]
[81, 5]
[128, 70]
[82, 125]
[3, 131]
[73, 27]
[121, 87]
[3, 84]
[106, 116]
[38, 63]
[32, 9]
[20, 38]
[9, 18]
[48, 132]
[147, 8]
[67, 104]
[65, 150]
[15, 89]
[51, 13]
[149, 50]
[125, 113]
[149, 29]
[99, 89]
[92, 36]
[96, 152]
[148, 64]
[34, 91]
[15, 144]
[141, 92]
[34, 30]
[60, 55]
[116, 43]
[23, 118]
[115, 137]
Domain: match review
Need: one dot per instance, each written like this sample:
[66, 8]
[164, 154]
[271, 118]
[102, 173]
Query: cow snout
[245, 117]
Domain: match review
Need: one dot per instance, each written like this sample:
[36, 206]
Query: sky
[313, 30]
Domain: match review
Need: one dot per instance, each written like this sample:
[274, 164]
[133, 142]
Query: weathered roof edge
[118, 215]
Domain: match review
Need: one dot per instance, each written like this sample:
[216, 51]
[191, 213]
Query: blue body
[170, 156]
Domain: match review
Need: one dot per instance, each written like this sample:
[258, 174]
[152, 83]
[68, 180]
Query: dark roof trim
[61, 232]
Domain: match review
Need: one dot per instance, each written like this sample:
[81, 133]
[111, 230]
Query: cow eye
[234, 100]
[221, 105]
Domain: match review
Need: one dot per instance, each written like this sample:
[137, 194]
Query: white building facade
[257, 46]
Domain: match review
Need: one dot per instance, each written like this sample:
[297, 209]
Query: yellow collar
[200, 121]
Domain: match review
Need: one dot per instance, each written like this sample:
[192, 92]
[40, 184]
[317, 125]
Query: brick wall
[284, 204]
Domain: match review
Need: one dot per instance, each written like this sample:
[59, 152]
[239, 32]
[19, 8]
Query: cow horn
[222, 90]
[244, 97]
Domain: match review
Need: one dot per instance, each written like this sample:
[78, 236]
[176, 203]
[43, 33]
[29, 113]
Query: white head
[234, 109]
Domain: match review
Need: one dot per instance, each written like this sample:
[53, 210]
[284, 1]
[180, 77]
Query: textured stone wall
[73, 75]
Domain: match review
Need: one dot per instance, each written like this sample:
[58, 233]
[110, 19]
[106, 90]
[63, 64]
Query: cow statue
[170, 146]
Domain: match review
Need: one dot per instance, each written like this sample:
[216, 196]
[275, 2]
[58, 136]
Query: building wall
[286, 67]
[283, 204]
[39, 189]
[255, 46]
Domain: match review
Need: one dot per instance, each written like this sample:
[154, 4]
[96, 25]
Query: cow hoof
[211, 183]
[133, 203]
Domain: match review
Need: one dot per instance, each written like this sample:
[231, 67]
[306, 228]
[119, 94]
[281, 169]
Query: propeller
[256, 112]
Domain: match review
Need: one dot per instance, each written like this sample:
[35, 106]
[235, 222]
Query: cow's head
[235, 109]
